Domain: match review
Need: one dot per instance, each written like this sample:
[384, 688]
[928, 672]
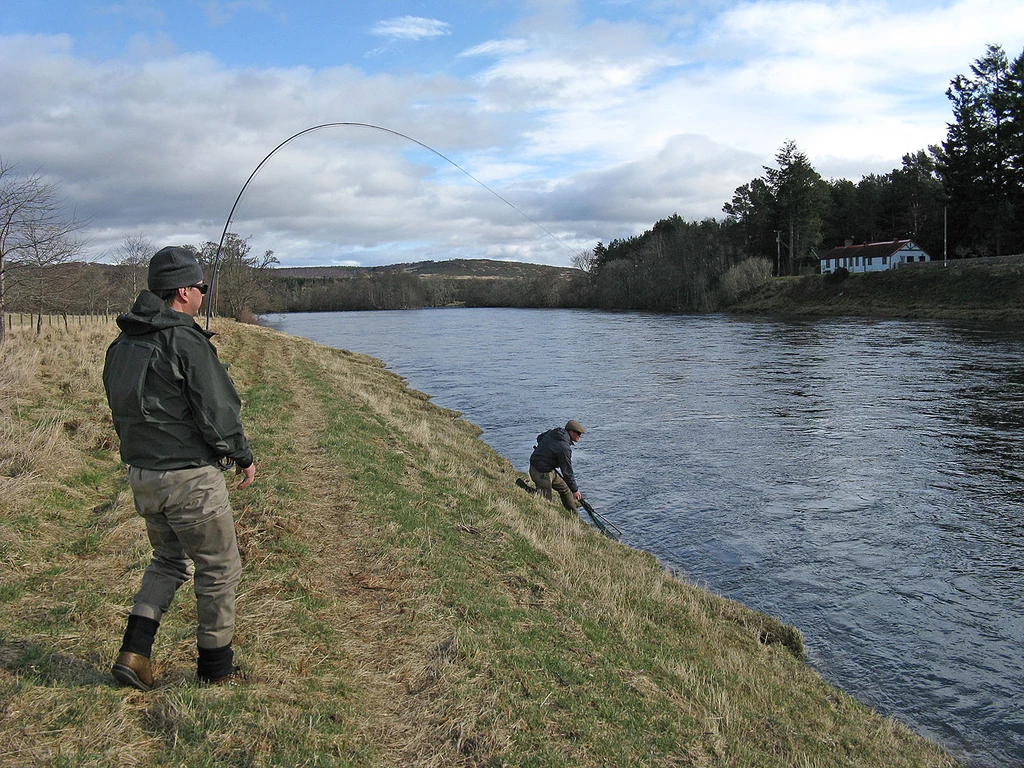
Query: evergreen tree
[1014, 147]
[977, 161]
[840, 222]
[752, 210]
[783, 212]
[801, 198]
[919, 197]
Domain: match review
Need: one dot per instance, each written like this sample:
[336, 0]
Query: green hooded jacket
[173, 404]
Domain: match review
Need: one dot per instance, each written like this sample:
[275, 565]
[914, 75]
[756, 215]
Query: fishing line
[231, 214]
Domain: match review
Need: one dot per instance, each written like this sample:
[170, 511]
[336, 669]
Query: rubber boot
[215, 663]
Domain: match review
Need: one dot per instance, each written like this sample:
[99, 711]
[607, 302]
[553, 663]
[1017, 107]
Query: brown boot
[133, 669]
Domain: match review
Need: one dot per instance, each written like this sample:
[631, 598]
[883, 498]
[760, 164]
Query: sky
[368, 133]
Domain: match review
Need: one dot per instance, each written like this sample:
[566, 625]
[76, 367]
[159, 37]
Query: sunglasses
[203, 288]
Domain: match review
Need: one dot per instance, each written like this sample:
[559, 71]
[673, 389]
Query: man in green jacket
[176, 413]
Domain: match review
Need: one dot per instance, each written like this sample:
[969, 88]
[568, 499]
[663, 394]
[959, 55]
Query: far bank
[984, 290]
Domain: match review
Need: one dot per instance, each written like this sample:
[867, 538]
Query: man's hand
[578, 496]
[249, 472]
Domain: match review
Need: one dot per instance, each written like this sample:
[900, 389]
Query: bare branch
[34, 230]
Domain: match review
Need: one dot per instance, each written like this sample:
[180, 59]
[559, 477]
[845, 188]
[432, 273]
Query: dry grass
[405, 603]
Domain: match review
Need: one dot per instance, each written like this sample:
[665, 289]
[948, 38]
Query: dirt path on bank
[388, 647]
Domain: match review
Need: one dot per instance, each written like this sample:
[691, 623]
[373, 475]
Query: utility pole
[778, 252]
[945, 247]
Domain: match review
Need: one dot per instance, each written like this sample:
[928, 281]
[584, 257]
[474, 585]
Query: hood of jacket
[150, 313]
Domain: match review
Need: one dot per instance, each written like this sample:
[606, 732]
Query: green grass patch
[959, 290]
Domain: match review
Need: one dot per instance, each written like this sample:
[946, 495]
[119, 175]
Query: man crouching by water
[551, 464]
[176, 413]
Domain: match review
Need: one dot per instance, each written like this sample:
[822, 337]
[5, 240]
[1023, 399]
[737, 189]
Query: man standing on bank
[551, 464]
[176, 413]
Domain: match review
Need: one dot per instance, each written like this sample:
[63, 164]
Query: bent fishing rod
[241, 193]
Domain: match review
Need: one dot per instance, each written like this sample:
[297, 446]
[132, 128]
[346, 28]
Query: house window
[870, 261]
[885, 259]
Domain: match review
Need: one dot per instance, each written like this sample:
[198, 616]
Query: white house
[873, 257]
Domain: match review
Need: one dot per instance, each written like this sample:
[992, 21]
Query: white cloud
[497, 48]
[596, 130]
[411, 28]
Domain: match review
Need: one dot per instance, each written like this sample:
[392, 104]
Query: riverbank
[984, 290]
[405, 603]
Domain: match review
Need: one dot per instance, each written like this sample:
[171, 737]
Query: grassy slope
[405, 603]
[963, 290]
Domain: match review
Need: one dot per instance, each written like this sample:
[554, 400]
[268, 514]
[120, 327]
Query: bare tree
[241, 277]
[33, 225]
[585, 261]
[132, 260]
[43, 271]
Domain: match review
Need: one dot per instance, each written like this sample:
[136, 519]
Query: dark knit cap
[173, 267]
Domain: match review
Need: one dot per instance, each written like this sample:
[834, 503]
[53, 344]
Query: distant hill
[454, 268]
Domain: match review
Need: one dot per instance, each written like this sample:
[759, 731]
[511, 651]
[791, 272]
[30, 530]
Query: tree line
[398, 289]
[45, 276]
[960, 199]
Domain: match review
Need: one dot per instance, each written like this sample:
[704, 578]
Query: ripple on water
[862, 480]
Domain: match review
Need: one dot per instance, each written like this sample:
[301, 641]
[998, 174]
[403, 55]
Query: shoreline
[405, 602]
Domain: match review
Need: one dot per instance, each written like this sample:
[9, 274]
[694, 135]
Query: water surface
[862, 480]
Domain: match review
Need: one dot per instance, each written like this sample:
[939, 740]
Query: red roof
[869, 250]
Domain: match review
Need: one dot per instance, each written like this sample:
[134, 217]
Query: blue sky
[594, 119]
[268, 34]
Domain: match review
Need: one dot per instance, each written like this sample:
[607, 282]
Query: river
[859, 479]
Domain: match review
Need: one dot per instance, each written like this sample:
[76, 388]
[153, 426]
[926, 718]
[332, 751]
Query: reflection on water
[861, 480]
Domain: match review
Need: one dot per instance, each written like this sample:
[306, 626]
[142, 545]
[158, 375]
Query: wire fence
[59, 321]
